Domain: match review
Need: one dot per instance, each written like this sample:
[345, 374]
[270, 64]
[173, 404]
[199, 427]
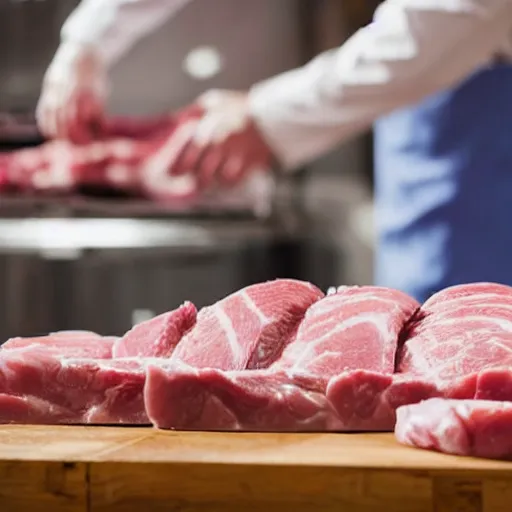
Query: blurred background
[101, 265]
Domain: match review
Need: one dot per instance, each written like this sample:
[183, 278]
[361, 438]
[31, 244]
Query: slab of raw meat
[159, 336]
[128, 155]
[318, 384]
[248, 400]
[460, 332]
[249, 328]
[356, 328]
[367, 401]
[67, 344]
[277, 401]
[478, 428]
[29, 410]
[48, 389]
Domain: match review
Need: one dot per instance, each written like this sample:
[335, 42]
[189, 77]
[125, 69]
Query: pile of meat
[131, 156]
[284, 356]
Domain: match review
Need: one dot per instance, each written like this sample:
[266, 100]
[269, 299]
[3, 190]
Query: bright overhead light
[203, 62]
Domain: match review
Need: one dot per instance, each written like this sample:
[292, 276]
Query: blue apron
[443, 188]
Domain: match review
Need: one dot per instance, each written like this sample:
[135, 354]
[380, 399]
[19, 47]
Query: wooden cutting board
[100, 469]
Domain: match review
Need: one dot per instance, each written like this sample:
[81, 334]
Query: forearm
[413, 49]
[114, 26]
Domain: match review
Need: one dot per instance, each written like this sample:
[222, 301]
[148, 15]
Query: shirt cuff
[286, 125]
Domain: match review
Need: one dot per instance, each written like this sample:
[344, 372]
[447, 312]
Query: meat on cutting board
[247, 400]
[356, 328]
[341, 333]
[159, 336]
[282, 356]
[460, 332]
[248, 329]
[67, 344]
[276, 401]
[478, 428]
[47, 389]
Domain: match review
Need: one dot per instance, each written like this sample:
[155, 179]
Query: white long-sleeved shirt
[412, 49]
[114, 26]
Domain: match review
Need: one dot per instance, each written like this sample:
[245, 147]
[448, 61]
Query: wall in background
[255, 40]
[29, 35]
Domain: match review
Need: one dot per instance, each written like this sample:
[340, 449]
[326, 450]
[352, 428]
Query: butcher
[433, 76]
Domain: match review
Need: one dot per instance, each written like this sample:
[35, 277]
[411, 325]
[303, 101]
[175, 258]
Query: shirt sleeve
[412, 49]
[115, 26]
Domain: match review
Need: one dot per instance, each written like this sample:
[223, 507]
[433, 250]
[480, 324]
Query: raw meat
[267, 400]
[281, 356]
[48, 389]
[30, 410]
[131, 156]
[318, 384]
[159, 336]
[248, 329]
[356, 328]
[367, 401]
[460, 332]
[67, 344]
[478, 428]
[256, 400]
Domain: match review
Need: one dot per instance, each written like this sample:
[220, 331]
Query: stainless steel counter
[106, 274]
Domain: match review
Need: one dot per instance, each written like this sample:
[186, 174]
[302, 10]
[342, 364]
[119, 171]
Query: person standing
[435, 76]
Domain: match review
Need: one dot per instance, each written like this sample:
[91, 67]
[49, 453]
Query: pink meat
[356, 328]
[159, 336]
[280, 356]
[47, 389]
[267, 400]
[249, 328]
[367, 401]
[477, 428]
[127, 155]
[67, 344]
[29, 410]
[316, 385]
[459, 333]
[248, 400]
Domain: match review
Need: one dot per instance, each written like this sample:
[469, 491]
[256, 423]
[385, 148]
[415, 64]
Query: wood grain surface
[93, 469]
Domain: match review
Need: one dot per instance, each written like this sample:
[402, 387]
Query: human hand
[224, 145]
[71, 105]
